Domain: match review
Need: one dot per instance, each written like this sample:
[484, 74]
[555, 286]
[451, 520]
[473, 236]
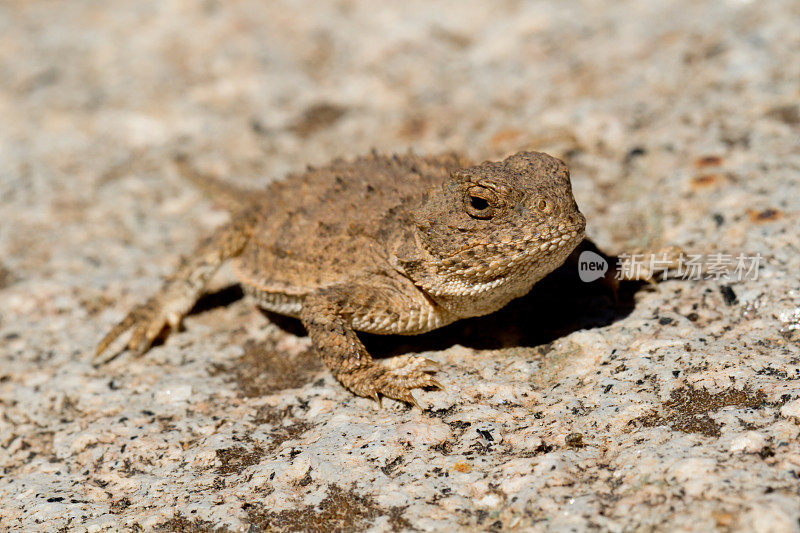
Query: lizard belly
[411, 320]
[281, 303]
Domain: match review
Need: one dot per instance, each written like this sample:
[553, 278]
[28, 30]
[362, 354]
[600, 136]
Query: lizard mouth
[484, 267]
[534, 245]
[558, 240]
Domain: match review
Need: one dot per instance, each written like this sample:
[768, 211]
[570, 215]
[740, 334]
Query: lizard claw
[394, 378]
[435, 383]
[433, 365]
[377, 397]
[413, 401]
[146, 322]
[406, 397]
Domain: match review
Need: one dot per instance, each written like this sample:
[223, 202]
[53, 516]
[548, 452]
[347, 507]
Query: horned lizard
[387, 245]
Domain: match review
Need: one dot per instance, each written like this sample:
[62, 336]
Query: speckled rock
[676, 406]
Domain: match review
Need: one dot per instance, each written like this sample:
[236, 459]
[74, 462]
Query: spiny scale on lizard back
[317, 227]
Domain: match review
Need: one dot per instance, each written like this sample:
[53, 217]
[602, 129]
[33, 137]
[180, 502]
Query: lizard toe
[391, 380]
[399, 386]
[410, 363]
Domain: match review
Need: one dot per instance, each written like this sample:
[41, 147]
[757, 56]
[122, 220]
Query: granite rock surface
[675, 406]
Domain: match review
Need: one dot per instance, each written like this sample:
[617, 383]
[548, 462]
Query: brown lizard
[387, 245]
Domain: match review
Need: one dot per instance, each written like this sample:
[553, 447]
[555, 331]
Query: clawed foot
[146, 322]
[394, 378]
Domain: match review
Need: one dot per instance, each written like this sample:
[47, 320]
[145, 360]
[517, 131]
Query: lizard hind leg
[181, 291]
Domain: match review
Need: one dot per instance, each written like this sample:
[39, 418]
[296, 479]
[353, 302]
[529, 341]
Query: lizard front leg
[181, 290]
[331, 315]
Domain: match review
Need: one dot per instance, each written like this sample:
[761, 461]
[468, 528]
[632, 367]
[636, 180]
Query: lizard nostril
[575, 218]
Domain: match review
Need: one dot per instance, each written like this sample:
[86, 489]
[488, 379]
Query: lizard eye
[480, 202]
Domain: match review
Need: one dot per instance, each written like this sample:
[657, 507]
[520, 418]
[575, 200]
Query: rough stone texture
[677, 406]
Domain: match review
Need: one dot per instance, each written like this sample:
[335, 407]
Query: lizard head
[492, 230]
